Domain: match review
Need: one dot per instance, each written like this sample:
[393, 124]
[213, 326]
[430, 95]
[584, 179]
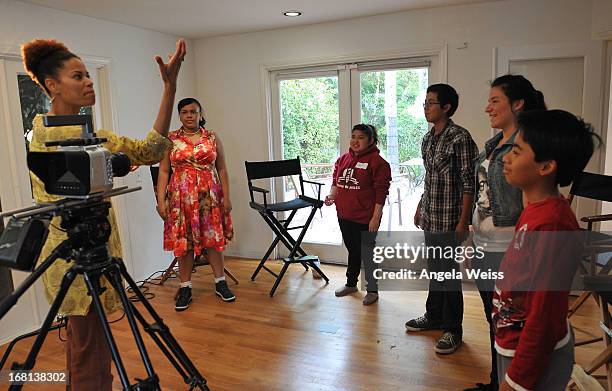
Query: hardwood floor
[304, 338]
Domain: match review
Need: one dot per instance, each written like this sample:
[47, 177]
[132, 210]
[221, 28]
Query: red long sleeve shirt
[363, 181]
[530, 303]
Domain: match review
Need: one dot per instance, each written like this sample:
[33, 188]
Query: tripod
[88, 228]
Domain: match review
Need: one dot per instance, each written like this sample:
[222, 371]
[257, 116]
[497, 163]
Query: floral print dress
[196, 218]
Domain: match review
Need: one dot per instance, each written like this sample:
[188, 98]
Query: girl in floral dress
[193, 199]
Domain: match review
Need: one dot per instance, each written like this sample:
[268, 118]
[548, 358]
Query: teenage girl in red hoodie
[360, 185]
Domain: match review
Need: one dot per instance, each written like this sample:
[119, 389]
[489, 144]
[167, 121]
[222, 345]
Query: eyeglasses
[427, 104]
[192, 112]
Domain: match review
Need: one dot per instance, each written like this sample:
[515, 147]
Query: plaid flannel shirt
[449, 173]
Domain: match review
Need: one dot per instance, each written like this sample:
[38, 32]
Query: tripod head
[88, 231]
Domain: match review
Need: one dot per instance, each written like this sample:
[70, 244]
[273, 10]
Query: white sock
[217, 279]
[186, 284]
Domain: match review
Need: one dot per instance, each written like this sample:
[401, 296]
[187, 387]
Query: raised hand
[169, 71]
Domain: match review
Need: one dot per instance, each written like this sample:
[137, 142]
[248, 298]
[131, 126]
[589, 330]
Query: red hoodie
[363, 181]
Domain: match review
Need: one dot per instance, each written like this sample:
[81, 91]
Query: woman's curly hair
[43, 58]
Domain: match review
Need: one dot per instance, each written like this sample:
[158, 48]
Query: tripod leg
[11, 300]
[230, 275]
[93, 287]
[176, 353]
[44, 330]
[168, 272]
[112, 275]
[12, 344]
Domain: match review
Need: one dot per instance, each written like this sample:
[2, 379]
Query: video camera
[80, 169]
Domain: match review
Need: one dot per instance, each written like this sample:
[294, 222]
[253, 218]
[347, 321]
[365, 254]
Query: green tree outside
[310, 118]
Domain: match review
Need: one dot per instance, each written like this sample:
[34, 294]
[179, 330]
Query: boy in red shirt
[360, 186]
[533, 339]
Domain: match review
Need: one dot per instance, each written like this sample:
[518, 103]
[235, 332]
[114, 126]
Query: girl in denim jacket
[497, 204]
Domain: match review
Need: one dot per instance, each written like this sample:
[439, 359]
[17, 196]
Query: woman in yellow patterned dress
[63, 77]
[194, 202]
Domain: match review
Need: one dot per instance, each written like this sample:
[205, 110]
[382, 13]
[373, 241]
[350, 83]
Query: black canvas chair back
[273, 169]
[594, 186]
[281, 227]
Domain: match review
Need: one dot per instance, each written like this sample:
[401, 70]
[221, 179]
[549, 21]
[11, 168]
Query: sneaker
[482, 387]
[370, 298]
[183, 299]
[223, 291]
[345, 290]
[421, 323]
[448, 343]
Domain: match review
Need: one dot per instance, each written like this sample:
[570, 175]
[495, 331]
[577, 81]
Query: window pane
[310, 130]
[392, 101]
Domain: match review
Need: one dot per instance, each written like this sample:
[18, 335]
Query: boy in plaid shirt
[444, 211]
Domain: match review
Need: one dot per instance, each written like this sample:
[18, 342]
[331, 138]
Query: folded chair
[599, 246]
[199, 260]
[281, 228]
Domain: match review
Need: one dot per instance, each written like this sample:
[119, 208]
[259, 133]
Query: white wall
[602, 23]
[229, 81]
[136, 89]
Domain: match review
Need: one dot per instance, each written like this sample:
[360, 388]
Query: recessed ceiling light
[292, 14]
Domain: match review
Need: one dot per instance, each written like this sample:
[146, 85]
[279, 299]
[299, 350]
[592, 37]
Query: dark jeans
[491, 261]
[352, 235]
[444, 304]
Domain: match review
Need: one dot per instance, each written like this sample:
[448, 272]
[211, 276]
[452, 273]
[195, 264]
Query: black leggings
[352, 234]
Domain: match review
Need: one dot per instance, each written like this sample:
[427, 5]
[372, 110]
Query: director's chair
[596, 187]
[281, 228]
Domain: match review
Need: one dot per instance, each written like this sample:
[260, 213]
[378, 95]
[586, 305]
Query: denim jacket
[506, 200]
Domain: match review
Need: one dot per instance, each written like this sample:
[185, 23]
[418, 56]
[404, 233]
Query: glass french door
[313, 111]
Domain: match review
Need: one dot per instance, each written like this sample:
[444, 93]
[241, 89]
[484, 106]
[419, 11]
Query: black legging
[352, 234]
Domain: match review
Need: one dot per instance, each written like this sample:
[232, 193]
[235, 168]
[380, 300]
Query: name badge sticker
[362, 165]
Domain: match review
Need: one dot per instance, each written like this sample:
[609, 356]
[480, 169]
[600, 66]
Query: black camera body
[79, 167]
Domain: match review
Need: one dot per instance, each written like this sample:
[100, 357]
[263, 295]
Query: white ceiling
[206, 18]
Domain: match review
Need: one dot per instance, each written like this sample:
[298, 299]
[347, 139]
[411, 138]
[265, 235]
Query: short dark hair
[446, 96]
[369, 130]
[187, 101]
[517, 87]
[43, 58]
[560, 136]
